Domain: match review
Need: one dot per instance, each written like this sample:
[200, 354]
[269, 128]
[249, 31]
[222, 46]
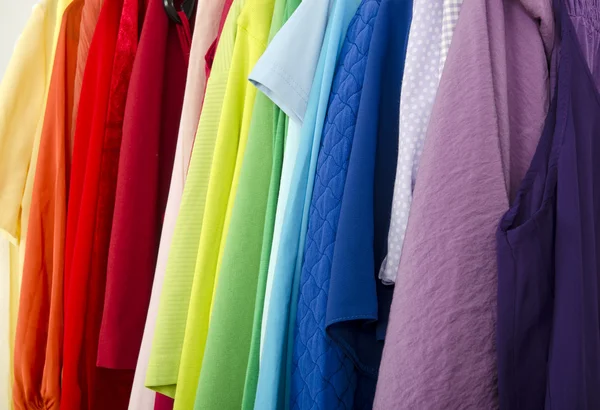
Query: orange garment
[38, 343]
[89, 19]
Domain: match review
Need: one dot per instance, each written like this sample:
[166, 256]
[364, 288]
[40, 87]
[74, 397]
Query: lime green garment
[283, 10]
[164, 367]
[223, 372]
[253, 25]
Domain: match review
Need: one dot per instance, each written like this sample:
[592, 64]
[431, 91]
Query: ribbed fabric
[165, 358]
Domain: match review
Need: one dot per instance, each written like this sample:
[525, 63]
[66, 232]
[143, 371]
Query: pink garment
[205, 31]
[488, 116]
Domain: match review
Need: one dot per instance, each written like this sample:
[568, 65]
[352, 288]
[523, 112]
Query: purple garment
[548, 333]
[486, 122]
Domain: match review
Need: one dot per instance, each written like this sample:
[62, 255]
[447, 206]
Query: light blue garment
[285, 74]
[275, 371]
[286, 70]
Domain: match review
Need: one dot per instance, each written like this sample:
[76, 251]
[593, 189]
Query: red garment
[210, 54]
[39, 338]
[91, 201]
[163, 402]
[150, 135]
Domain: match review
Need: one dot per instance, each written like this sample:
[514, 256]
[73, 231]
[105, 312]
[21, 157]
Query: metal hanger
[187, 6]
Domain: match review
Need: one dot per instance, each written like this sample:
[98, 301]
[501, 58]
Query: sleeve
[286, 70]
[22, 94]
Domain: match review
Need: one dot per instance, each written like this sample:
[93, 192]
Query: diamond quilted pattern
[323, 376]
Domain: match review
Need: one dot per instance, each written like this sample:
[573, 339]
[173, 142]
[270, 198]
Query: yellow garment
[165, 364]
[23, 93]
[250, 42]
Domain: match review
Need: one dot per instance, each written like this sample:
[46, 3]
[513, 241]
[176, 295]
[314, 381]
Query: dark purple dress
[548, 331]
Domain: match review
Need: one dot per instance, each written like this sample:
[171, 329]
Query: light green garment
[251, 39]
[224, 367]
[283, 10]
[164, 366]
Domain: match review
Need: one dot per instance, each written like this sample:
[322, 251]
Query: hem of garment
[162, 388]
[11, 235]
[280, 87]
[385, 278]
[346, 347]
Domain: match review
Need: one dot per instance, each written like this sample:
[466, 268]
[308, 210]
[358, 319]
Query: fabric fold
[486, 122]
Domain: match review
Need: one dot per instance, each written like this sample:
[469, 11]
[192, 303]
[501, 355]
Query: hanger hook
[187, 6]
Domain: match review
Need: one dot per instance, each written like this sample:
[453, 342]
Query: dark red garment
[150, 135]
[91, 201]
[210, 54]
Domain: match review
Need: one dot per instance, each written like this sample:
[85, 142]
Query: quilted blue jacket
[358, 304]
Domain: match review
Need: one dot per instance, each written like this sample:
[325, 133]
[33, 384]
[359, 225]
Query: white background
[13, 16]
